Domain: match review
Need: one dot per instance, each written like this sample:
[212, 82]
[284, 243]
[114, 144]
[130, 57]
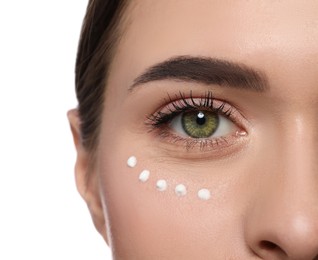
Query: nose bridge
[298, 150]
[296, 172]
[286, 211]
[296, 194]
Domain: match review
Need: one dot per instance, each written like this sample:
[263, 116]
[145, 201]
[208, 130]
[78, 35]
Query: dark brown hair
[99, 36]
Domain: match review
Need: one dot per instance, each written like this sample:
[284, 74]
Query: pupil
[201, 119]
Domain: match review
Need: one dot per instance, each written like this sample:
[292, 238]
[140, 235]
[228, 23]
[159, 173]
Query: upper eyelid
[208, 97]
[176, 106]
[207, 101]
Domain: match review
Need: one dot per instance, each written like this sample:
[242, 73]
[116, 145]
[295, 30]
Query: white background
[41, 214]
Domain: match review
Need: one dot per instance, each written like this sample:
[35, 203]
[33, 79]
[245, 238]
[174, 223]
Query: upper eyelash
[182, 104]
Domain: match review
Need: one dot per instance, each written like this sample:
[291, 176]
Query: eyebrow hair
[205, 70]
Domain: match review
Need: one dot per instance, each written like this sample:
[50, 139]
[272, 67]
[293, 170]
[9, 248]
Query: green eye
[200, 124]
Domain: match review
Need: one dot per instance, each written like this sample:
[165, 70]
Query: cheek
[149, 211]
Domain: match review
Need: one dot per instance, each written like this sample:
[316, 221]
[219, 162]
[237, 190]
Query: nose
[282, 222]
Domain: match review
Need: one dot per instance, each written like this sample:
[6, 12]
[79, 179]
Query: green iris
[200, 124]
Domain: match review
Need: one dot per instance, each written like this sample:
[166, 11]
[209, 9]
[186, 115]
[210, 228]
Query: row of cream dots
[162, 185]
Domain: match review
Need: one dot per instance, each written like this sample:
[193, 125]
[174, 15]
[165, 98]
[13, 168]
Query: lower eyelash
[190, 143]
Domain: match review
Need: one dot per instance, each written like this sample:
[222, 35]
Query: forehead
[256, 33]
[209, 23]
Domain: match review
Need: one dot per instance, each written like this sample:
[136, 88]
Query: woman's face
[221, 97]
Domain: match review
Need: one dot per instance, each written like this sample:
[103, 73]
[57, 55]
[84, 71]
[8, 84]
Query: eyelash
[159, 121]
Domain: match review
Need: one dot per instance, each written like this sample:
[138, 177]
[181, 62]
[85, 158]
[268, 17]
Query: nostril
[268, 245]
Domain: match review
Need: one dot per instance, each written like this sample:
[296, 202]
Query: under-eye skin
[203, 122]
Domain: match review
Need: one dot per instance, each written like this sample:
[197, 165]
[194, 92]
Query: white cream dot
[132, 161]
[204, 194]
[144, 176]
[161, 185]
[181, 190]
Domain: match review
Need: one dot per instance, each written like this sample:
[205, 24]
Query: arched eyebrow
[204, 70]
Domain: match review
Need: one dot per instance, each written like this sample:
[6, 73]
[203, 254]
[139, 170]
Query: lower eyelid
[185, 148]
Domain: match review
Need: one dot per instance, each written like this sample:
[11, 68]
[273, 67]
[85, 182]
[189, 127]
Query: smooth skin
[264, 191]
